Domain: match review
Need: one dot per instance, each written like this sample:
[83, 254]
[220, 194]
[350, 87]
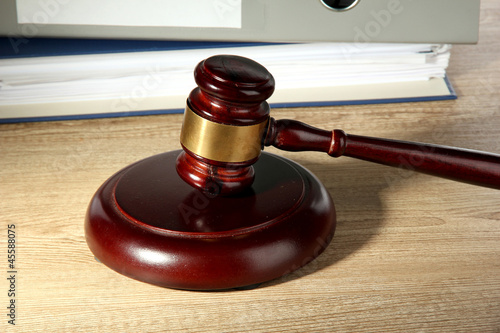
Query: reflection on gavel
[227, 124]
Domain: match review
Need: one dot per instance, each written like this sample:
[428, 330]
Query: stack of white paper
[138, 81]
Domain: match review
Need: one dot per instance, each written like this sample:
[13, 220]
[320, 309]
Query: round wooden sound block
[146, 223]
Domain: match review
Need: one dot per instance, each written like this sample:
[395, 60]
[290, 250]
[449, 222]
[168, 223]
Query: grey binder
[412, 21]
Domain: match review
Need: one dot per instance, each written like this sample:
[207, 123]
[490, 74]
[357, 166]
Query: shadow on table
[355, 187]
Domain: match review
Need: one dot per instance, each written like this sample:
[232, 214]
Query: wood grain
[412, 253]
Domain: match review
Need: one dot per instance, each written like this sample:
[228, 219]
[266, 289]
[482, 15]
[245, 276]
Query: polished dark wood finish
[227, 78]
[252, 221]
[474, 167]
[232, 91]
[145, 222]
[411, 253]
[212, 177]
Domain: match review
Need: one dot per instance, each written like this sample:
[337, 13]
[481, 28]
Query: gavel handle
[469, 166]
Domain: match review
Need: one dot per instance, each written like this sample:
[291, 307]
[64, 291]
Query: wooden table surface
[412, 253]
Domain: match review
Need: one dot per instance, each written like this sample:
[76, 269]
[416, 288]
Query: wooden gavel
[147, 223]
[227, 124]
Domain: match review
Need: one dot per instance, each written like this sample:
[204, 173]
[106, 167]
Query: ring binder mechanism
[339, 4]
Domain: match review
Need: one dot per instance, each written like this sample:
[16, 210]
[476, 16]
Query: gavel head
[225, 121]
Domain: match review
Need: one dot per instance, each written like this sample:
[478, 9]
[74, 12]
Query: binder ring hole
[339, 5]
